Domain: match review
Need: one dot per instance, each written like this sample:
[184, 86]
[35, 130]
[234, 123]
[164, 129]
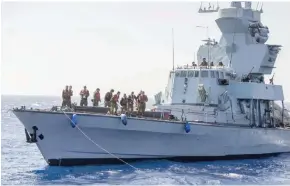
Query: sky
[122, 45]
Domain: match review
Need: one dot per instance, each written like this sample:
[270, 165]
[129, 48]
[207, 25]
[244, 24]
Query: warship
[219, 108]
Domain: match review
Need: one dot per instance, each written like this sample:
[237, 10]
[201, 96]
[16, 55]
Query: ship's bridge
[188, 84]
[201, 72]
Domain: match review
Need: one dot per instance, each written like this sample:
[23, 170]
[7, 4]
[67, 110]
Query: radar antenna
[257, 5]
[210, 8]
[233, 43]
[172, 49]
[200, 6]
[261, 10]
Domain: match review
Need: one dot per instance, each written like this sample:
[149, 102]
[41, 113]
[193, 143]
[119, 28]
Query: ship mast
[210, 9]
[207, 39]
[172, 49]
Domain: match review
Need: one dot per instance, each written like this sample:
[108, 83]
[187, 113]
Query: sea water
[23, 164]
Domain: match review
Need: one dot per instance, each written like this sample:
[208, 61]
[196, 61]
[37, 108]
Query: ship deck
[148, 115]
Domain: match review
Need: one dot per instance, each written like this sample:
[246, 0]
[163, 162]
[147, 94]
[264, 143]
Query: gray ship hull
[145, 139]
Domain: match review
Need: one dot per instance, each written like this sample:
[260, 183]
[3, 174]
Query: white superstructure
[231, 87]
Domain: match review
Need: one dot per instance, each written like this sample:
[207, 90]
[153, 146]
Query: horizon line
[38, 95]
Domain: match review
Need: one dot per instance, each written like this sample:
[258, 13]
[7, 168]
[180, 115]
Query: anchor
[31, 137]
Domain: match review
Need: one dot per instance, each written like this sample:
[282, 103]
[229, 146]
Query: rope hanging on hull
[99, 146]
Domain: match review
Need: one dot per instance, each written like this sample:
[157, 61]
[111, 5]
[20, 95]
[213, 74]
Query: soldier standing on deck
[137, 99]
[204, 62]
[124, 103]
[131, 99]
[65, 97]
[70, 95]
[142, 103]
[97, 98]
[84, 97]
[108, 98]
[114, 103]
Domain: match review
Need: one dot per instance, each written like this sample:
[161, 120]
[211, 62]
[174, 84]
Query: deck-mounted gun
[247, 77]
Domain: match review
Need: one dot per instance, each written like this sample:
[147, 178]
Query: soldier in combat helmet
[84, 97]
[108, 98]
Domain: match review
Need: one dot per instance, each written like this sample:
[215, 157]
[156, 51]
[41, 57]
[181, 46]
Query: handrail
[201, 67]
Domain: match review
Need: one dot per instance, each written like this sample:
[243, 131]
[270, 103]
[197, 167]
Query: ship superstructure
[230, 87]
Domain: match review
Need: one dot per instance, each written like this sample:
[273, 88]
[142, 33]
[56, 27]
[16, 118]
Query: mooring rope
[90, 139]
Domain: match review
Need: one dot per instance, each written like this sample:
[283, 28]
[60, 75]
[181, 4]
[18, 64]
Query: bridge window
[212, 75]
[190, 73]
[217, 74]
[204, 74]
[196, 74]
[183, 74]
[222, 75]
[177, 74]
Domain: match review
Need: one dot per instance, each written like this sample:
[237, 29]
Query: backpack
[108, 96]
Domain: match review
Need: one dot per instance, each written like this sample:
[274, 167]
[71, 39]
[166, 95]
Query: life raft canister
[187, 127]
[124, 119]
[74, 120]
